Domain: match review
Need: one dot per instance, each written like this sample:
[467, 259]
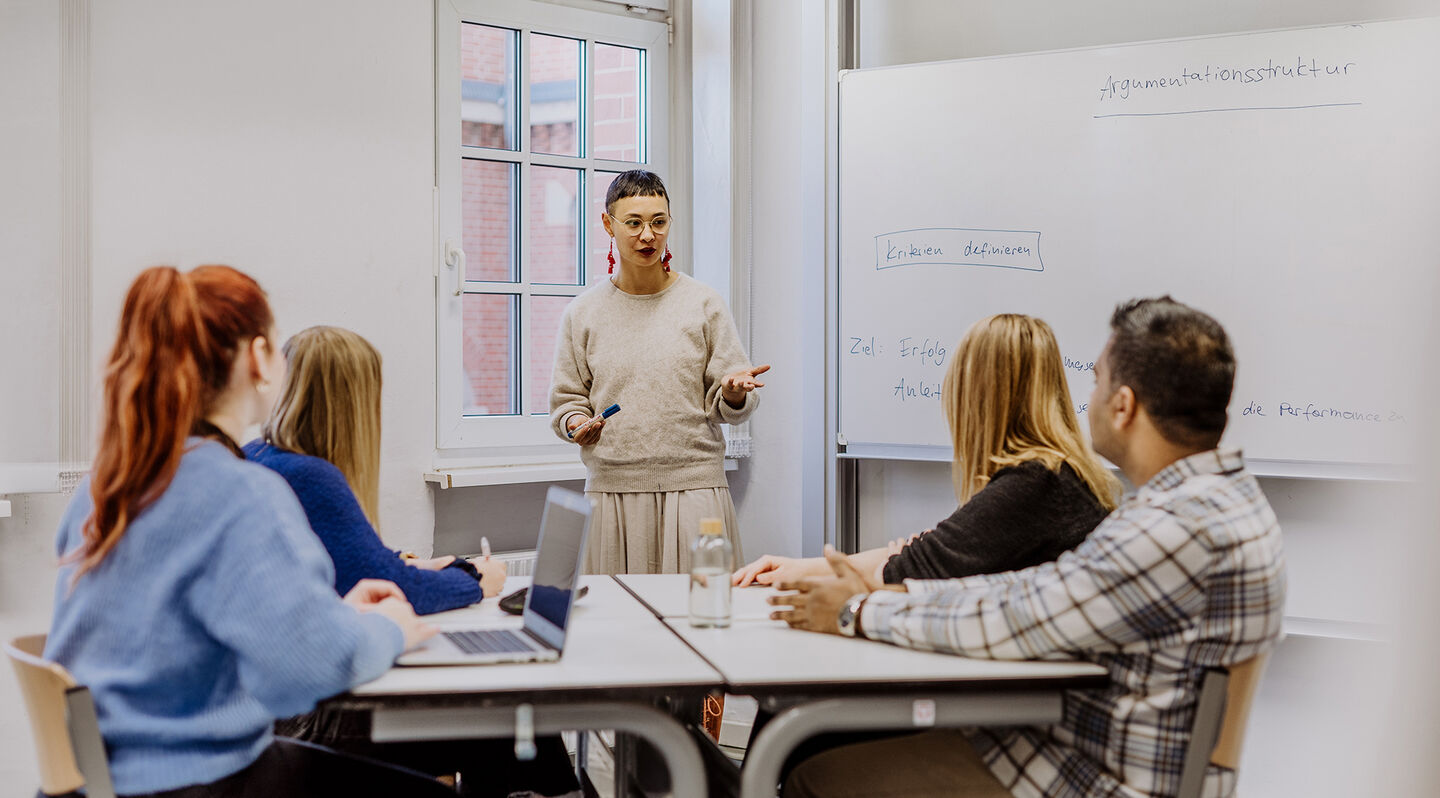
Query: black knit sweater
[1025, 516]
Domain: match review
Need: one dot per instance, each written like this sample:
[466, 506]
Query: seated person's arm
[266, 595]
[358, 553]
[1138, 576]
[772, 570]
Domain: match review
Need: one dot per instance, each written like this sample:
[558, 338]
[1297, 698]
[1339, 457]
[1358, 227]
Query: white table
[668, 596]
[619, 660]
[830, 683]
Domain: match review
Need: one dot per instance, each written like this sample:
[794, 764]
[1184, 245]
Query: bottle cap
[712, 526]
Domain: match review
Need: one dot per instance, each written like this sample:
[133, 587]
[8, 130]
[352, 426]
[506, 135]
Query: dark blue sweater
[356, 550]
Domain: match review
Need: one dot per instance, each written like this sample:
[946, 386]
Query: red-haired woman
[192, 598]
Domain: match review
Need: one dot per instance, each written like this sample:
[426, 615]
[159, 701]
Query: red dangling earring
[611, 256]
[665, 261]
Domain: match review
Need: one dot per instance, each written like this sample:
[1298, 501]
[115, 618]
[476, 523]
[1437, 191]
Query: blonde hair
[329, 407]
[1007, 402]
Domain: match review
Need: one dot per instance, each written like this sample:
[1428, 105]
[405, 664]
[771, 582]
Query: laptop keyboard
[489, 641]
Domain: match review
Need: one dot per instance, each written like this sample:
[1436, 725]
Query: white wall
[780, 491]
[291, 140]
[29, 252]
[911, 31]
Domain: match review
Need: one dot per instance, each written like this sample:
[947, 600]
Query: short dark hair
[634, 183]
[1179, 363]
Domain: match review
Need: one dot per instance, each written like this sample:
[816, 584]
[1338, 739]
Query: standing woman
[192, 598]
[664, 347]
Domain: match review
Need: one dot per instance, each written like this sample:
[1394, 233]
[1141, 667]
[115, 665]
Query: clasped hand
[385, 598]
[815, 604]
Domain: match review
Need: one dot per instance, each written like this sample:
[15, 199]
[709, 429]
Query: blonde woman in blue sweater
[323, 437]
[192, 598]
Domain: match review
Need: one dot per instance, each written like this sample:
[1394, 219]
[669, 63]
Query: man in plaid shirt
[1186, 574]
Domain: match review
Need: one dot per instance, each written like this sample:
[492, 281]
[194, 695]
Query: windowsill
[477, 476]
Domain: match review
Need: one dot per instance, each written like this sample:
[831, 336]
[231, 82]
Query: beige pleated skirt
[651, 533]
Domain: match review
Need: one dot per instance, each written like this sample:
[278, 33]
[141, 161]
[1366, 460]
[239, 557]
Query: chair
[1221, 714]
[63, 721]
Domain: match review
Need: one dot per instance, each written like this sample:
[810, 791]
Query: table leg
[913, 713]
[687, 772]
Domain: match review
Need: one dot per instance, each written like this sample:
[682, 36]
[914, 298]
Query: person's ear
[605, 220]
[260, 351]
[1122, 407]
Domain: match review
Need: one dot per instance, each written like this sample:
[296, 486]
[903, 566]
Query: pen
[485, 547]
[608, 412]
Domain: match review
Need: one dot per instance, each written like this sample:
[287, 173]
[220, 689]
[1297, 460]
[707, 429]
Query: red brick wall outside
[617, 103]
[486, 344]
[486, 195]
[485, 54]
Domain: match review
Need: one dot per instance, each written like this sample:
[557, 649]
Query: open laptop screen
[557, 564]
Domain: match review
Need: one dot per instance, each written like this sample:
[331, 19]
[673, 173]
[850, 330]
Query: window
[538, 107]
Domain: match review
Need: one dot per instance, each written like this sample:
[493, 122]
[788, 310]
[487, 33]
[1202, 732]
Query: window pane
[554, 94]
[487, 210]
[488, 110]
[545, 312]
[618, 102]
[596, 266]
[554, 225]
[488, 350]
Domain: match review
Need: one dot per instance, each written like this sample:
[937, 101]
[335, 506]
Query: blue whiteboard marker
[606, 413]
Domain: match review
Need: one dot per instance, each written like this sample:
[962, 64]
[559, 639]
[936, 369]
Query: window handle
[455, 259]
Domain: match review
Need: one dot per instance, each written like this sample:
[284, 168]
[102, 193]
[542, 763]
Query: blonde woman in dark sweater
[1029, 486]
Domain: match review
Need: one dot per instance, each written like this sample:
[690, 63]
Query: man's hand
[816, 604]
[734, 386]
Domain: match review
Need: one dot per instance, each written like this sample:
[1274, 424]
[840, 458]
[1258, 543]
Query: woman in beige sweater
[664, 347]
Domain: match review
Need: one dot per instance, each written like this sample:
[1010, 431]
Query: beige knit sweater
[661, 357]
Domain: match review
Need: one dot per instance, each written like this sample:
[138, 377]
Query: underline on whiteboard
[1221, 110]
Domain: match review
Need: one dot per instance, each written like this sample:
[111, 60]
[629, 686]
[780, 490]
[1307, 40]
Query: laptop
[541, 638]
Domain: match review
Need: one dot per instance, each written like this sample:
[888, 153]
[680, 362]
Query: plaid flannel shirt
[1186, 574]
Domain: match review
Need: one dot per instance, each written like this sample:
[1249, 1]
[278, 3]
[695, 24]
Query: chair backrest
[1221, 714]
[1239, 696]
[62, 720]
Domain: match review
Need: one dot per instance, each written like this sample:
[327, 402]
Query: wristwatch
[850, 614]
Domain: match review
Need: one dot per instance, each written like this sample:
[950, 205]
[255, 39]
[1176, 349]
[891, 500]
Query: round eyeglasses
[634, 227]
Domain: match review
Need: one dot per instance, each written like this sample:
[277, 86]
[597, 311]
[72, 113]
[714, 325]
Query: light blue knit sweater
[212, 617]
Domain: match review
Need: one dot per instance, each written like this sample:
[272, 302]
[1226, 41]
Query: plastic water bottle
[711, 562]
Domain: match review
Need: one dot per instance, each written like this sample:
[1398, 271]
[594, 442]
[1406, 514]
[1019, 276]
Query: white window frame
[462, 440]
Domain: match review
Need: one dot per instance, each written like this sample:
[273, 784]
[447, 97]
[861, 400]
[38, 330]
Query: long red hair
[178, 339]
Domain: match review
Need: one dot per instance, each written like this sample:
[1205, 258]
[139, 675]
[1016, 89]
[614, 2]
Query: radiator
[517, 563]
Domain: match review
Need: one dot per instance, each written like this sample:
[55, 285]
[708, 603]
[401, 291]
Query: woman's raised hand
[772, 570]
[734, 386]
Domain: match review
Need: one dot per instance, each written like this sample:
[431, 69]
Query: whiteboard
[1287, 183]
